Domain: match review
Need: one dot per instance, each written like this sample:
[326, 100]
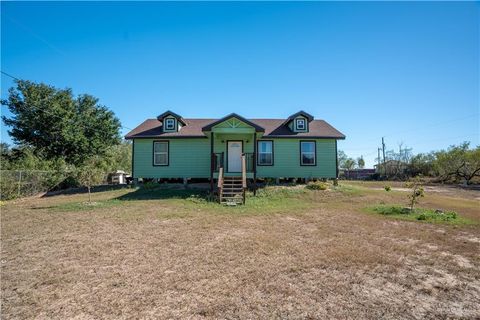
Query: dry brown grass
[170, 258]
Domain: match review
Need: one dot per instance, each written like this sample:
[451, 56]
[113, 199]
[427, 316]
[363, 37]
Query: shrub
[392, 210]
[387, 188]
[150, 185]
[417, 214]
[437, 216]
[317, 185]
[417, 191]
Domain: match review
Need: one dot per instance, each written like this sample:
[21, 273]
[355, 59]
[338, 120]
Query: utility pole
[378, 158]
[383, 150]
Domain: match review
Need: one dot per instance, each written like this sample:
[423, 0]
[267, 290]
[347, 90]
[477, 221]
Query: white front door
[234, 152]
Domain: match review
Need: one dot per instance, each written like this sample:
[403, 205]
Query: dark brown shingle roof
[274, 128]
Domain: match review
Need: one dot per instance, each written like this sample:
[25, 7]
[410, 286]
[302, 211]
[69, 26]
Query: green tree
[361, 162]
[349, 164]
[345, 162]
[423, 164]
[342, 157]
[91, 173]
[119, 157]
[416, 185]
[58, 125]
[459, 162]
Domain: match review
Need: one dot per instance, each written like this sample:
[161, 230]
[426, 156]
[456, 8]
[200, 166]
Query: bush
[417, 214]
[317, 185]
[437, 216]
[150, 185]
[392, 210]
[387, 188]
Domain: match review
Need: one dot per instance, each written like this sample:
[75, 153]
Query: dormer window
[300, 123]
[170, 124]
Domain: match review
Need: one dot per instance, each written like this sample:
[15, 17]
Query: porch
[234, 155]
[228, 145]
[221, 159]
[233, 143]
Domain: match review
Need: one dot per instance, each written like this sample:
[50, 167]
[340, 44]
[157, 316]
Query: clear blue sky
[406, 71]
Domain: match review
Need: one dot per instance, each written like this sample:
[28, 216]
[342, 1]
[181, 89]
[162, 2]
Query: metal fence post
[19, 182]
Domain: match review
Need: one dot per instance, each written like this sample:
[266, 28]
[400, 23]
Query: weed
[317, 185]
[420, 214]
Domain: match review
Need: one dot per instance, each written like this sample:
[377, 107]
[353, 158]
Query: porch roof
[211, 126]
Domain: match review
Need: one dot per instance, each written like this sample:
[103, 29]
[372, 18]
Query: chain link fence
[24, 183]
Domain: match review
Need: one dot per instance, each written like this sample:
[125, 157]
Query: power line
[412, 130]
[450, 138]
[434, 124]
[9, 75]
[415, 129]
[45, 111]
[28, 30]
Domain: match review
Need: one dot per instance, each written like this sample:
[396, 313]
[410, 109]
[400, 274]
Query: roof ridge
[245, 118]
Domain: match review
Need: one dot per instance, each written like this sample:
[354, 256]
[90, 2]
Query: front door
[234, 152]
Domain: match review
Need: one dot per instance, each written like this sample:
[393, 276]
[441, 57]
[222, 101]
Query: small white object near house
[117, 177]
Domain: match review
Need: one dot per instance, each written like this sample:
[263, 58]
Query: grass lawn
[288, 253]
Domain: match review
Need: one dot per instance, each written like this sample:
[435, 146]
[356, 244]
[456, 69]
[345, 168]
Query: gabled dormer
[171, 122]
[299, 122]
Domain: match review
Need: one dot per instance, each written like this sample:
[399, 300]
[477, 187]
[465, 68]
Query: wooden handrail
[220, 184]
[244, 172]
[220, 177]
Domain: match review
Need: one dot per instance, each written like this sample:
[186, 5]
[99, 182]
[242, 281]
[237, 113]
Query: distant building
[358, 174]
[392, 168]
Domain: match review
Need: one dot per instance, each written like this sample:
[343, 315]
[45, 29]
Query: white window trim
[314, 153]
[161, 152]
[259, 153]
[304, 124]
[171, 121]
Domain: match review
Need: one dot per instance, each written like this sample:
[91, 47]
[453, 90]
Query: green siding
[220, 146]
[232, 123]
[286, 159]
[190, 158]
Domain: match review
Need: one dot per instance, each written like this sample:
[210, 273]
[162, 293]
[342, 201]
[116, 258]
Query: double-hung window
[300, 124]
[265, 153]
[160, 153]
[308, 153]
[170, 124]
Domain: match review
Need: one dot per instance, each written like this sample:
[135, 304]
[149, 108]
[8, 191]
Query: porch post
[133, 158]
[255, 163]
[211, 161]
[336, 160]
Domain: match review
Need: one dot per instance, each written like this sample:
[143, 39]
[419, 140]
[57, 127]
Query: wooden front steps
[232, 191]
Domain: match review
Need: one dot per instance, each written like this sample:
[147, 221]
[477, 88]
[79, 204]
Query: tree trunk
[89, 195]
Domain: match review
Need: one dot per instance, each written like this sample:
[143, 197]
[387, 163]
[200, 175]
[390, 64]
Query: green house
[171, 146]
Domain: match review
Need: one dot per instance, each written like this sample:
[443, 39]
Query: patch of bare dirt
[138, 260]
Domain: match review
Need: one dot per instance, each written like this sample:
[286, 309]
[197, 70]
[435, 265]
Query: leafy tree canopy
[459, 162]
[361, 162]
[345, 162]
[58, 125]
